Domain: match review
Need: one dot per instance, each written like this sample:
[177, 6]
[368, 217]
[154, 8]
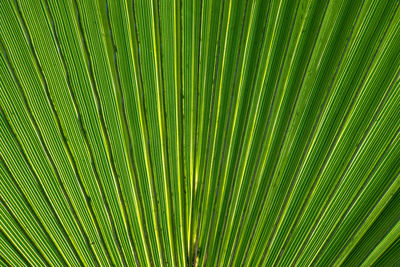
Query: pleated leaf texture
[199, 133]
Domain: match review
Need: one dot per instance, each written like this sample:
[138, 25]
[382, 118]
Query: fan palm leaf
[199, 133]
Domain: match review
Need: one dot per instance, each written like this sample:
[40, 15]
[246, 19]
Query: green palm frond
[199, 133]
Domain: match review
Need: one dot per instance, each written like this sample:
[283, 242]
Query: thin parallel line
[361, 224]
[354, 201]
[26, 202]
[151, 179]
[247, 113]
[30, 114]
[389, 228]
[23, 196]
[294, 180]
[81, 184]
[248, 110]
[21, 229]
[160, 105]
[164, 132]
[213, 128]
[76, 107]
[228, 119]
[315, 126]
[187, 169]
[287, 128]
[358, 149]
[394, 243]
[209, 128]
[235, 172]
[2, 160]
[79, 120]
[104, 130]
[330, 151]
[266, 128]
[374, 119]
[14, 247]
[64, 138]
[125, 124]
[230, 108]
[3, 260]
[180, 122]
[192, 179]
[136, 177]
[70, 205]
[214, 85]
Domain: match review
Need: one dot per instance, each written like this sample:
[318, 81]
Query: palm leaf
[199, 133]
